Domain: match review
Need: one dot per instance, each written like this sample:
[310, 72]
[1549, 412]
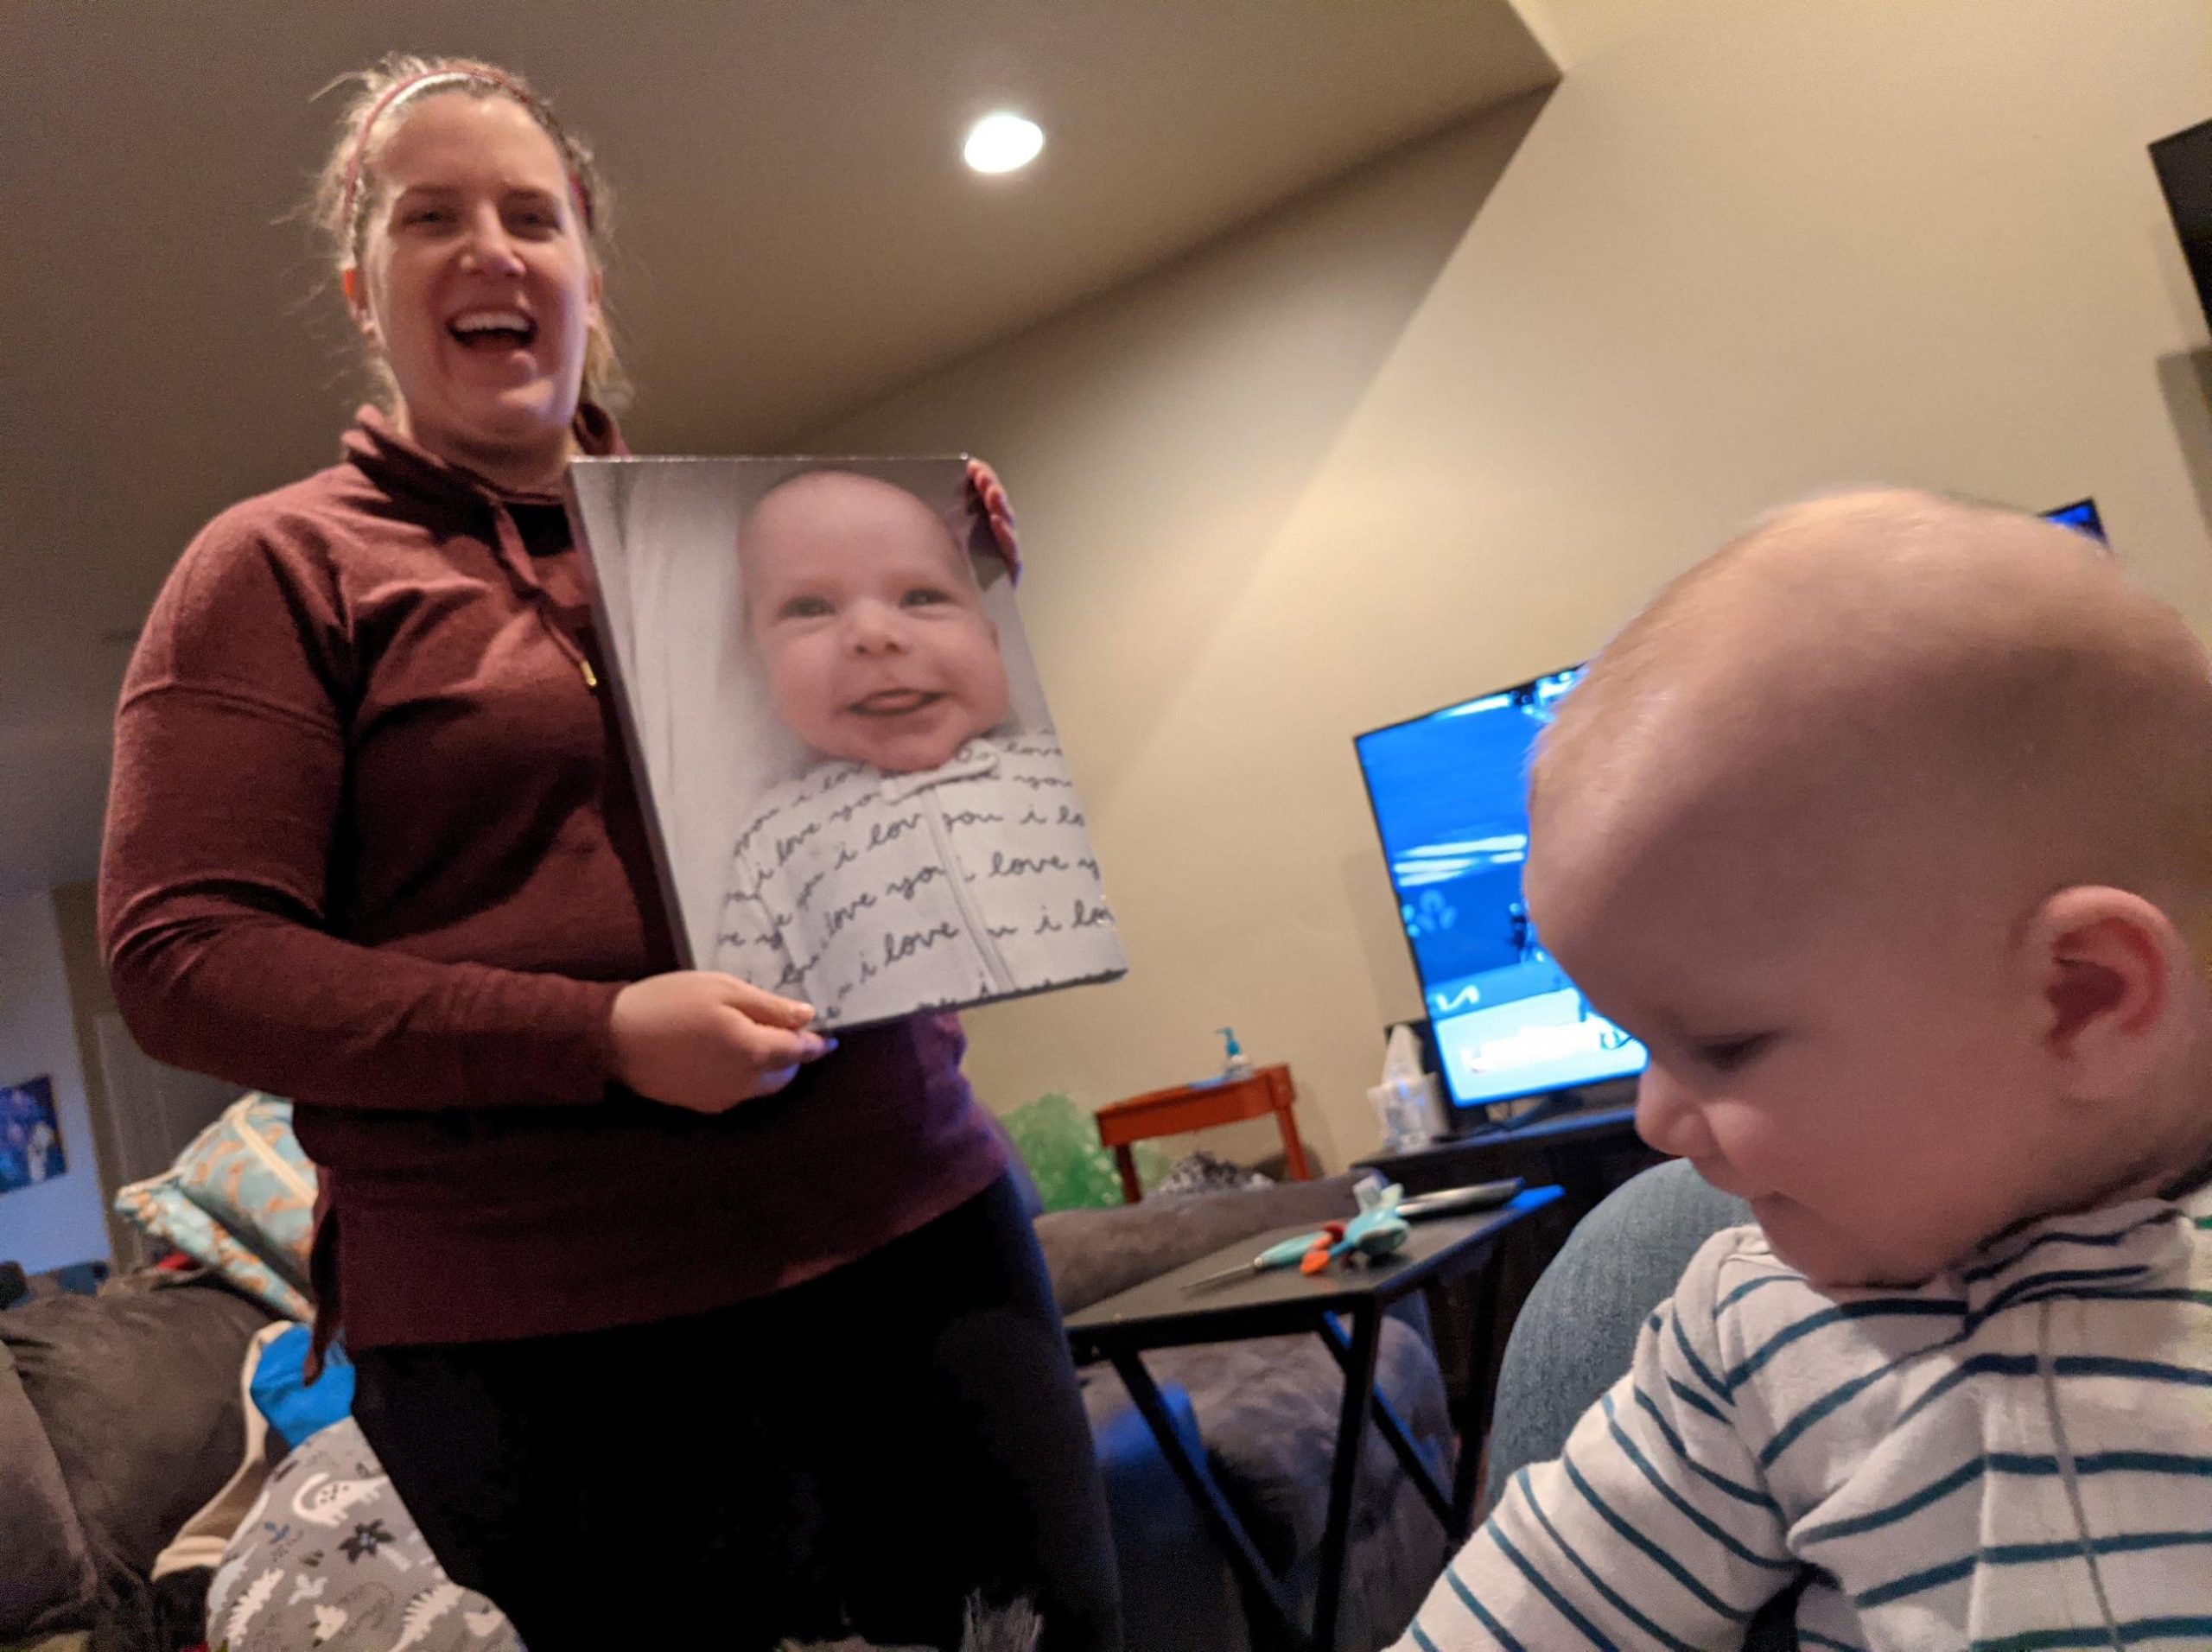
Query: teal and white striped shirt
[2015, 1456]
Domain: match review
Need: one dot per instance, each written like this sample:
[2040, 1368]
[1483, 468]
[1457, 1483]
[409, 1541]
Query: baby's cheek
[1000, 697]
[801, 685]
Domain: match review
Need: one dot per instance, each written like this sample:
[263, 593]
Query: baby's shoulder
[1761, 1319]
[1735, 1264]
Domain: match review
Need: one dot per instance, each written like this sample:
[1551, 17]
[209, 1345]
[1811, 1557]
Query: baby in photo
[936, 854]
[1888, 830]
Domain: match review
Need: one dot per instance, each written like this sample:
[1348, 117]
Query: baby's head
[1888, 829]
[868, 618]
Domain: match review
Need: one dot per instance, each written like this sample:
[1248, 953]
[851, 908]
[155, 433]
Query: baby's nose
[1668, 1117]
[871, 627]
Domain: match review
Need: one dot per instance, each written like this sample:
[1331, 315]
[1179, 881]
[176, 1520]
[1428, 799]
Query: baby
[932, 857]
[1888, 829]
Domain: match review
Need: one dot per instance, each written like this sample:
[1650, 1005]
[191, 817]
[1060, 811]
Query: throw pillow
[240, 1199]
[329, 1550]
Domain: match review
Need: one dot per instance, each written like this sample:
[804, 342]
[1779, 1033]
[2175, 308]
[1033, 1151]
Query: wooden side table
[1199, 1107]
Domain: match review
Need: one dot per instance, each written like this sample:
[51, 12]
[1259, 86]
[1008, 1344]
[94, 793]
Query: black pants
[860, 1454]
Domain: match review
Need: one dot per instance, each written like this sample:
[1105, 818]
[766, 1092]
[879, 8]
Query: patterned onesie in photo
[873, 895]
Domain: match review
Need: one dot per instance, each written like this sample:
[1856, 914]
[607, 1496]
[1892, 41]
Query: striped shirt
[2015, 1456]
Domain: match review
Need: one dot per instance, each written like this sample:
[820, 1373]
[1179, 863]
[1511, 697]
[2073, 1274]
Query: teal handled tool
[1286, 1253]
[1378, 1230]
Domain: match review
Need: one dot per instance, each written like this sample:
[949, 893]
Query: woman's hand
[991, 501]
[705, 1042]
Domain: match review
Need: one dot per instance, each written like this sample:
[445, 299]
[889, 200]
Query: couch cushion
[138, 1395]
[1093, 1254]
[1178, 1594]
[46, 1581]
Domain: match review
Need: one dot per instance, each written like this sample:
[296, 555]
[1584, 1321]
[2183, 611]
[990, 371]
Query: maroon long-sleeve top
[371, 845]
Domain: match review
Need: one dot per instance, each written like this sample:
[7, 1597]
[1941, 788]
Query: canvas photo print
[856, 792]
[31, 1135]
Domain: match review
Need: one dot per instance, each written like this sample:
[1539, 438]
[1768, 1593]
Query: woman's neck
[535, 467]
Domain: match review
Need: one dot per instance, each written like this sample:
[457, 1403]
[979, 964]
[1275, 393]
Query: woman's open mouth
[493, 331]
[893, 702]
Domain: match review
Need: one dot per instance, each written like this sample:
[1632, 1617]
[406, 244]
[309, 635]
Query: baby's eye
[534, 221]
[923, 596]
[425, 215]
[1731, 1055]
[805, 607]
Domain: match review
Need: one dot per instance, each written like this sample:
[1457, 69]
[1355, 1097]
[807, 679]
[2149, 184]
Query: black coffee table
[1163, 1313]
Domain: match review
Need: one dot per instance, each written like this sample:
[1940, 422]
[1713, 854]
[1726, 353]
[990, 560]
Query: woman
[672, 1318]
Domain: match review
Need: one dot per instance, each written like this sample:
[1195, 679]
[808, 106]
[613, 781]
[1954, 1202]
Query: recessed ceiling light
[1003, 142]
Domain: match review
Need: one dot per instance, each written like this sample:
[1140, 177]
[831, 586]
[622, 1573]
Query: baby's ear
[2109, 966]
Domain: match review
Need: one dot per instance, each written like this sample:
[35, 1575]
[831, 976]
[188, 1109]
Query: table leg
[1393, 1432]
[1474, 1426]
[1343, 1477]
[1126, 1162]
[1294, 1150]
[1244, 1559]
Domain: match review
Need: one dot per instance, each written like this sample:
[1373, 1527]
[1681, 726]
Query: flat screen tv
[1449, 791]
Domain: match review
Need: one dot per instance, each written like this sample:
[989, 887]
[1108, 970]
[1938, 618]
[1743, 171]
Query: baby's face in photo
[869, 620]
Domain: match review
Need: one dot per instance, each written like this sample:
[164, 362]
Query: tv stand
[1558, 1104]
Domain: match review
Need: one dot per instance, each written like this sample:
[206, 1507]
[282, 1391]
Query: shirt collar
[399, 463]
[976, 758]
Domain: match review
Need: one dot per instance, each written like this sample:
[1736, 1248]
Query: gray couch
[120, 1416]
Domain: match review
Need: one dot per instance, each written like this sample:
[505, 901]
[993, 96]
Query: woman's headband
[430, 80]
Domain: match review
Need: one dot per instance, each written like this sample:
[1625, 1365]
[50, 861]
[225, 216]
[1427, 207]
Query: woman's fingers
[705, 1042]
[997, 509]
[763, 1047]
[763, 1006]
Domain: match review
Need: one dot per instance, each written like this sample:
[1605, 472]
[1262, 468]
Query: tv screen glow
[2081, 516]
[1450, 794]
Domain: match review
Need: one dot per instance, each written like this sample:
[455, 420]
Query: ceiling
[797, 236]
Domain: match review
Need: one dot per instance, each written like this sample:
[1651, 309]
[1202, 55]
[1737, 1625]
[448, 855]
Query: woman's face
[476, 286]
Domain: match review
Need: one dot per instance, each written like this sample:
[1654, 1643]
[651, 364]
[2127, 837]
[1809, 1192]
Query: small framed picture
[31, 1135]
[855, 791]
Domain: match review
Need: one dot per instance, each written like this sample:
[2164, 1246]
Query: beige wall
[61, 1220]
[76, 912]
[1387, 450]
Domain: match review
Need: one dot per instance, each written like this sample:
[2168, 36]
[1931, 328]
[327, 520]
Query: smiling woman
[469, 229]
[371, 846]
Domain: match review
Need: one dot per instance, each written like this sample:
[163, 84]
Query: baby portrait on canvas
[876, 818]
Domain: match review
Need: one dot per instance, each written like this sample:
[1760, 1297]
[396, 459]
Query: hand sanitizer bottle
[1234, 1065]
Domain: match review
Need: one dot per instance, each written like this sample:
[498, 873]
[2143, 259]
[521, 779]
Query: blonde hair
[346, 188]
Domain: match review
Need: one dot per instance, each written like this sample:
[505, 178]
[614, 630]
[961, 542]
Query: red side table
[1199, 1107]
